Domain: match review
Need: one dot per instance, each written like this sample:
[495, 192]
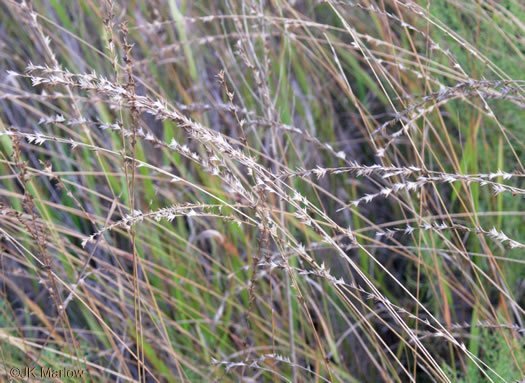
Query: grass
[263, 191]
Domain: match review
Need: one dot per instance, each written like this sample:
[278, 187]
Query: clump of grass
[282, 191]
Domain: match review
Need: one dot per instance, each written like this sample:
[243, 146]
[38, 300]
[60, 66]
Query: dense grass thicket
[263, 190]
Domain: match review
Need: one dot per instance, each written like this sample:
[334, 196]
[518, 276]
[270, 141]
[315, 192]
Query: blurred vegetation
[282, 255]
